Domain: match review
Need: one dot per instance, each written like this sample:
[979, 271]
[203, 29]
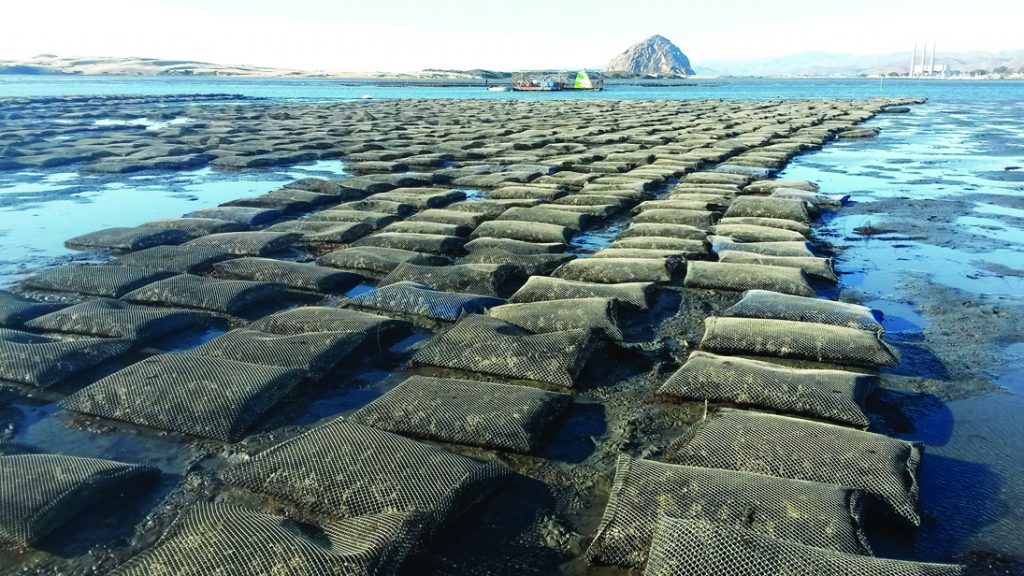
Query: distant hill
[833, 64]
[655, 56]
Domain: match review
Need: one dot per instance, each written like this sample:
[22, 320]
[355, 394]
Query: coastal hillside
[655, 56]
[818, 64]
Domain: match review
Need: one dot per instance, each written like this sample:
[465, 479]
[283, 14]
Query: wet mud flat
[521, 338]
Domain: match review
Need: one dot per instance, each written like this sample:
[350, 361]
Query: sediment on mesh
[429, 243]
[598, 314]
[380, 205]
[717, 178]
[376, 261]
[804, 340]
[592, 200]
[305, 276]
[41, 492]
[766, 186]
[570, 220]
[248, 217]
[815, 199]
[676, 256]
[750, 233]
[179, 259]
[247, 243]
[118, 319]
[410, 298]
[764, 304]
[490, 208]
[492, 346]
[791, 225]
[594, 212]
[722, 276]
[514, 246]
[109, 281]
[323, 319]
[812, 266]
[342, 469]
[16, 310]
[685, 547]
[833, 395]
[882, 467]
[423, 227]
[322, 231]
[815, 514]
[790, 249]
[620, 270]
[344, 188]
[429, 198]
[697, 218]
[447, 216]
[374, 220]
[196, 227]
[683, 246]
[525, 231]
[762, 207]
[314, 353]
[677, 231]
[232, 541]
[189, 291]
[467, 412]
[190, 394]
[126, 239]
[528, 264]
[541, 288]
[42, 361]
[483, 279]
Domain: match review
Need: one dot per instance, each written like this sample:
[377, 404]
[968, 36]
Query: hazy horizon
[402, 35]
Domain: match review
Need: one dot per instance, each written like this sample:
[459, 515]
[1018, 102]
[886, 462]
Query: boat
[583, 80]
[498, 89]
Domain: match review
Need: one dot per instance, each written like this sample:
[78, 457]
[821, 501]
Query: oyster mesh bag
[126, 239]
[721, 276]
[483, 279]
[16, 310]
[247, 243]
[467, 412]
[491, 346]
[764, 304]
[600, 314]
[620, 270]
[292, 274]
[376, 261]
[109, 281]
[834, 395]
[813, 266]
[815, 514]
[324, 319]
[882, 467]
[428, 243]
[118, 319]
[410, 298]
[42, 361]
[179, 259]
[189, 291]
[314, 353]
[541, 288]
[342, 470]
[231, 541]
[687, 547]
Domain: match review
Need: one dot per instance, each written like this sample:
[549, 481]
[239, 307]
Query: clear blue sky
[405, 35]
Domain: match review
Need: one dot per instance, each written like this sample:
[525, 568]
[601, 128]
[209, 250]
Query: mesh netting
[525, 231]
[514, 246]
[683, 547]
[791, 225]
[763, 304]
[322, 319]
[813, 198]
[374, 220]
[815, 514]
[179, 259]
[528, 264]
[611, 270]
[805, 340]
[230, 541]
[571, 220]
[413, 299]
[811, 265]
[127, 238]
[600, 314]
[422, 227]
[248, 217]
[750, 233]
[723, 276]
[314, 353]
[541, 288]
[466, 412]
[41, 361]
[430, 243]
[421, 199]
[117, 319]
[41, 492]
[15, 310]
[188, 291]
[492, 346]
[763, 207]
[525, 193]
[677, 231]
[444, 216]
[196, 227]
[491, 208]
[374, 260]
[791, 249]
[322, 231]
[483, 279]
[343, 469]
[834, 395]
[766, 186]
[190, 394]
[676, 257]
[380, 205]
[696, 218]
[292, 274]
[680, 245]
[247, 243]
[109, 281]
[787, 447]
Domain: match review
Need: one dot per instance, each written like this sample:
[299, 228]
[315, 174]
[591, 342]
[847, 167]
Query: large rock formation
[654, 56]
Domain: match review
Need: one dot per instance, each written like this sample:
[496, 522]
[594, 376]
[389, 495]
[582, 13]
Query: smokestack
[913, 61]
[931, 63]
